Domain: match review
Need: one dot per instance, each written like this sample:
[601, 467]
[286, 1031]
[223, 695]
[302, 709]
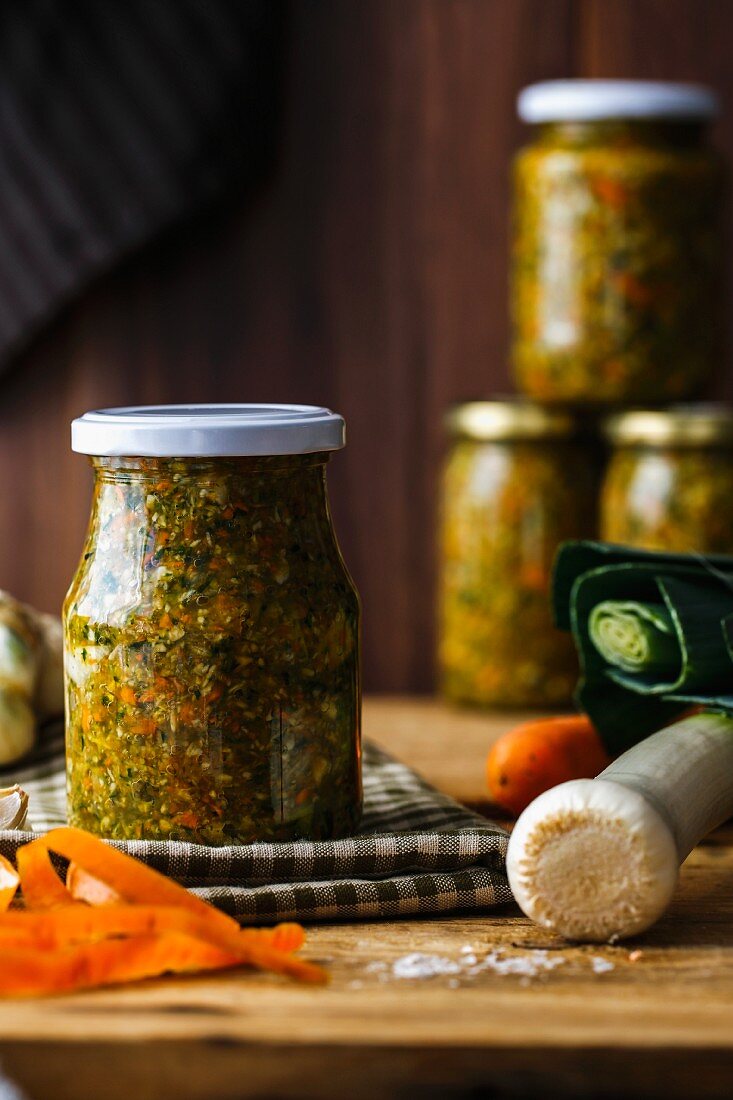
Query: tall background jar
[517, 482]
[669, 480]
[616, 292]
[212, 630]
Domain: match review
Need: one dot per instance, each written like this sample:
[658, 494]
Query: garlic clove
[13, 807]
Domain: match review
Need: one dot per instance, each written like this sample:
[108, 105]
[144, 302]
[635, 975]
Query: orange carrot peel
[9, 883]
[115, 919]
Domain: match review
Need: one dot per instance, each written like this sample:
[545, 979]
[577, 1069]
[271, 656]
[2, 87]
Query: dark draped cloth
[118, 119]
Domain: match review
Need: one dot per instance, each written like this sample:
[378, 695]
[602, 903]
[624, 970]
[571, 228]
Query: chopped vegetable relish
[212, 655]
[616, 263]
[669, 499]
[507, 505]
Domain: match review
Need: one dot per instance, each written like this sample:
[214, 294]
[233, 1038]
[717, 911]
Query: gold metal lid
[679, 426]
[509, 419]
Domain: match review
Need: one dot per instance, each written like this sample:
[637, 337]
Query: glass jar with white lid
[617, 256]
[212, 630]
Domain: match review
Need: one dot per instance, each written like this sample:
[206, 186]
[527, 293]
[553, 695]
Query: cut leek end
[592, 861]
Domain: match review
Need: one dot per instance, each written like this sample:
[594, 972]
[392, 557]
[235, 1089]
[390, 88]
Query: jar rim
[704, 425]
[207, 430]
[582, 100]
[508, 419]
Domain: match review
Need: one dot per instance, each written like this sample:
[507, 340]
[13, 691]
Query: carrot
[135, 882]
[143, 726]
[118, 920]
[82, 886]
[286, 937]
[131, 880]
[611, 192]
[69, 925]
[26, 972]
[9, 883]
[540, 754]
[42, 888]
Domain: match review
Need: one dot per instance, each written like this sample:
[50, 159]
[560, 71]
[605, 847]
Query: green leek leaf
[654, 634]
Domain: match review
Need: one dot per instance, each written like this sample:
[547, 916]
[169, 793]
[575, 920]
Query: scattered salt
[418, 965]
[601, 966]
[527, 965]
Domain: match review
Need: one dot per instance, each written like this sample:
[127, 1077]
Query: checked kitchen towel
[419, 852]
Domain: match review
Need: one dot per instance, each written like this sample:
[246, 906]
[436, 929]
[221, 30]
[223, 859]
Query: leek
[598, 859]
[635, 637]
[653, 631]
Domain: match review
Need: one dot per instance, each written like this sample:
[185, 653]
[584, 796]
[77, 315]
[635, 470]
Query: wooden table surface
[508, 1011]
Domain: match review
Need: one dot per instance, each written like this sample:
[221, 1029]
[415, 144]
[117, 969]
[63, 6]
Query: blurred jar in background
[517, 482]
[669, 482]
[616, 288]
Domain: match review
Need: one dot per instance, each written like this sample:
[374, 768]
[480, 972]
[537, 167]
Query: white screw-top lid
[180, 431]
[586, 100]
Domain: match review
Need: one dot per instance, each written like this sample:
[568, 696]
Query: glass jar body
[669, 498]
[212, 655]
[506, 507]
[616, 286]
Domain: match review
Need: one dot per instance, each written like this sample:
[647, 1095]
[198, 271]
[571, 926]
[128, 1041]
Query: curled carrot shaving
[111, 898]
[69, 925]
[129, 878]
[10, 881]
[27, 972]
[82, 886]
[283, 937]
[42, 887]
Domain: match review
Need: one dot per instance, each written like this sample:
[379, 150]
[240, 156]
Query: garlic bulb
[31, 675]
[17, 727]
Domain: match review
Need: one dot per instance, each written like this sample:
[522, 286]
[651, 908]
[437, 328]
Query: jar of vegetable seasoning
[212, 630]
[617, 243]
[669, 482]
[517, 482]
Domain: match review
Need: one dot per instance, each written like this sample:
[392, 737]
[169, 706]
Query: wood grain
[657, 1022]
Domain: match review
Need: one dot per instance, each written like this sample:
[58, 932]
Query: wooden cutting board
[501, 1008]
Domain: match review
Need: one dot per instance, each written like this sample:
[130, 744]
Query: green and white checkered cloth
[418, 853]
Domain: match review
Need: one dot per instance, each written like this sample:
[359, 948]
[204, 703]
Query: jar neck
[624, 133]
[157, 470]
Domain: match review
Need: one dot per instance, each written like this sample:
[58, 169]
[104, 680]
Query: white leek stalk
[598, 859]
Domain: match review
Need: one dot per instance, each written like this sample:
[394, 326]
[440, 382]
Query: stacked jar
[615, 295]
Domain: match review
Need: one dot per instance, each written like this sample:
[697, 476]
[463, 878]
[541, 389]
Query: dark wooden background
[368, 275]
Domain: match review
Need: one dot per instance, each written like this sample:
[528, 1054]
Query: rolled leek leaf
[654, 634]
[635, 637]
